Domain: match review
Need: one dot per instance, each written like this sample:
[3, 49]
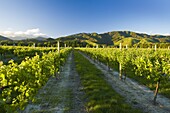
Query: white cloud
[39, 34]
[32, 31]
[19, 33]
[16, 35]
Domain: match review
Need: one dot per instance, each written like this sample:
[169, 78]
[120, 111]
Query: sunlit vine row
[25, 79]
[145, 62]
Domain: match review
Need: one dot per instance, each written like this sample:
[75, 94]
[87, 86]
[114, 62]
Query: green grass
[68, 103]
[101, 98]
[130, 41]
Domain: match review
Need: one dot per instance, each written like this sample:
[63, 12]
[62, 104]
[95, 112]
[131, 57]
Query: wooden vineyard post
[33, 45]
[58, 46]
[97, 46]
[120, 46]
[157, 87]
[155, 47]
[126, 46]
[120, 65]
[125, 74]
[65, 45]
[156, 92]
[55, 60]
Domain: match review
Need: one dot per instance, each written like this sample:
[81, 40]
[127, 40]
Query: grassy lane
[60, 96]
[101, 98]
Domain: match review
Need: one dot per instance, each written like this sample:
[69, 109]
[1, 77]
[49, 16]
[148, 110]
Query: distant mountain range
[116, 37]
[110, 38]
[30, 39]
[4, 38]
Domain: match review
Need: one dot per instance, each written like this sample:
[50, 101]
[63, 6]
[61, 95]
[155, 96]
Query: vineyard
[97, 80]
[144, 65]
[24, 79]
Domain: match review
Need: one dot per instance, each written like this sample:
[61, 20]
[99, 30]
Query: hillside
[115, 38]
[4, 38]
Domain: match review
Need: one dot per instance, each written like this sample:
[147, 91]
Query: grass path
[99, 94]
[60, 96]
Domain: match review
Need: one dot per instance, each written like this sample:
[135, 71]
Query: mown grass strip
[101, 98]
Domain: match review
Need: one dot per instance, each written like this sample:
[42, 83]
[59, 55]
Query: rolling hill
[4, 38]
[115, 38]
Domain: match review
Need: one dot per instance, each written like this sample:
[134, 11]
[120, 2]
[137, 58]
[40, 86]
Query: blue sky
[57, 18]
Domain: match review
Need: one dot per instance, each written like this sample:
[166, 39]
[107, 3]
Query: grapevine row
[18, 53]
[25, 79]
